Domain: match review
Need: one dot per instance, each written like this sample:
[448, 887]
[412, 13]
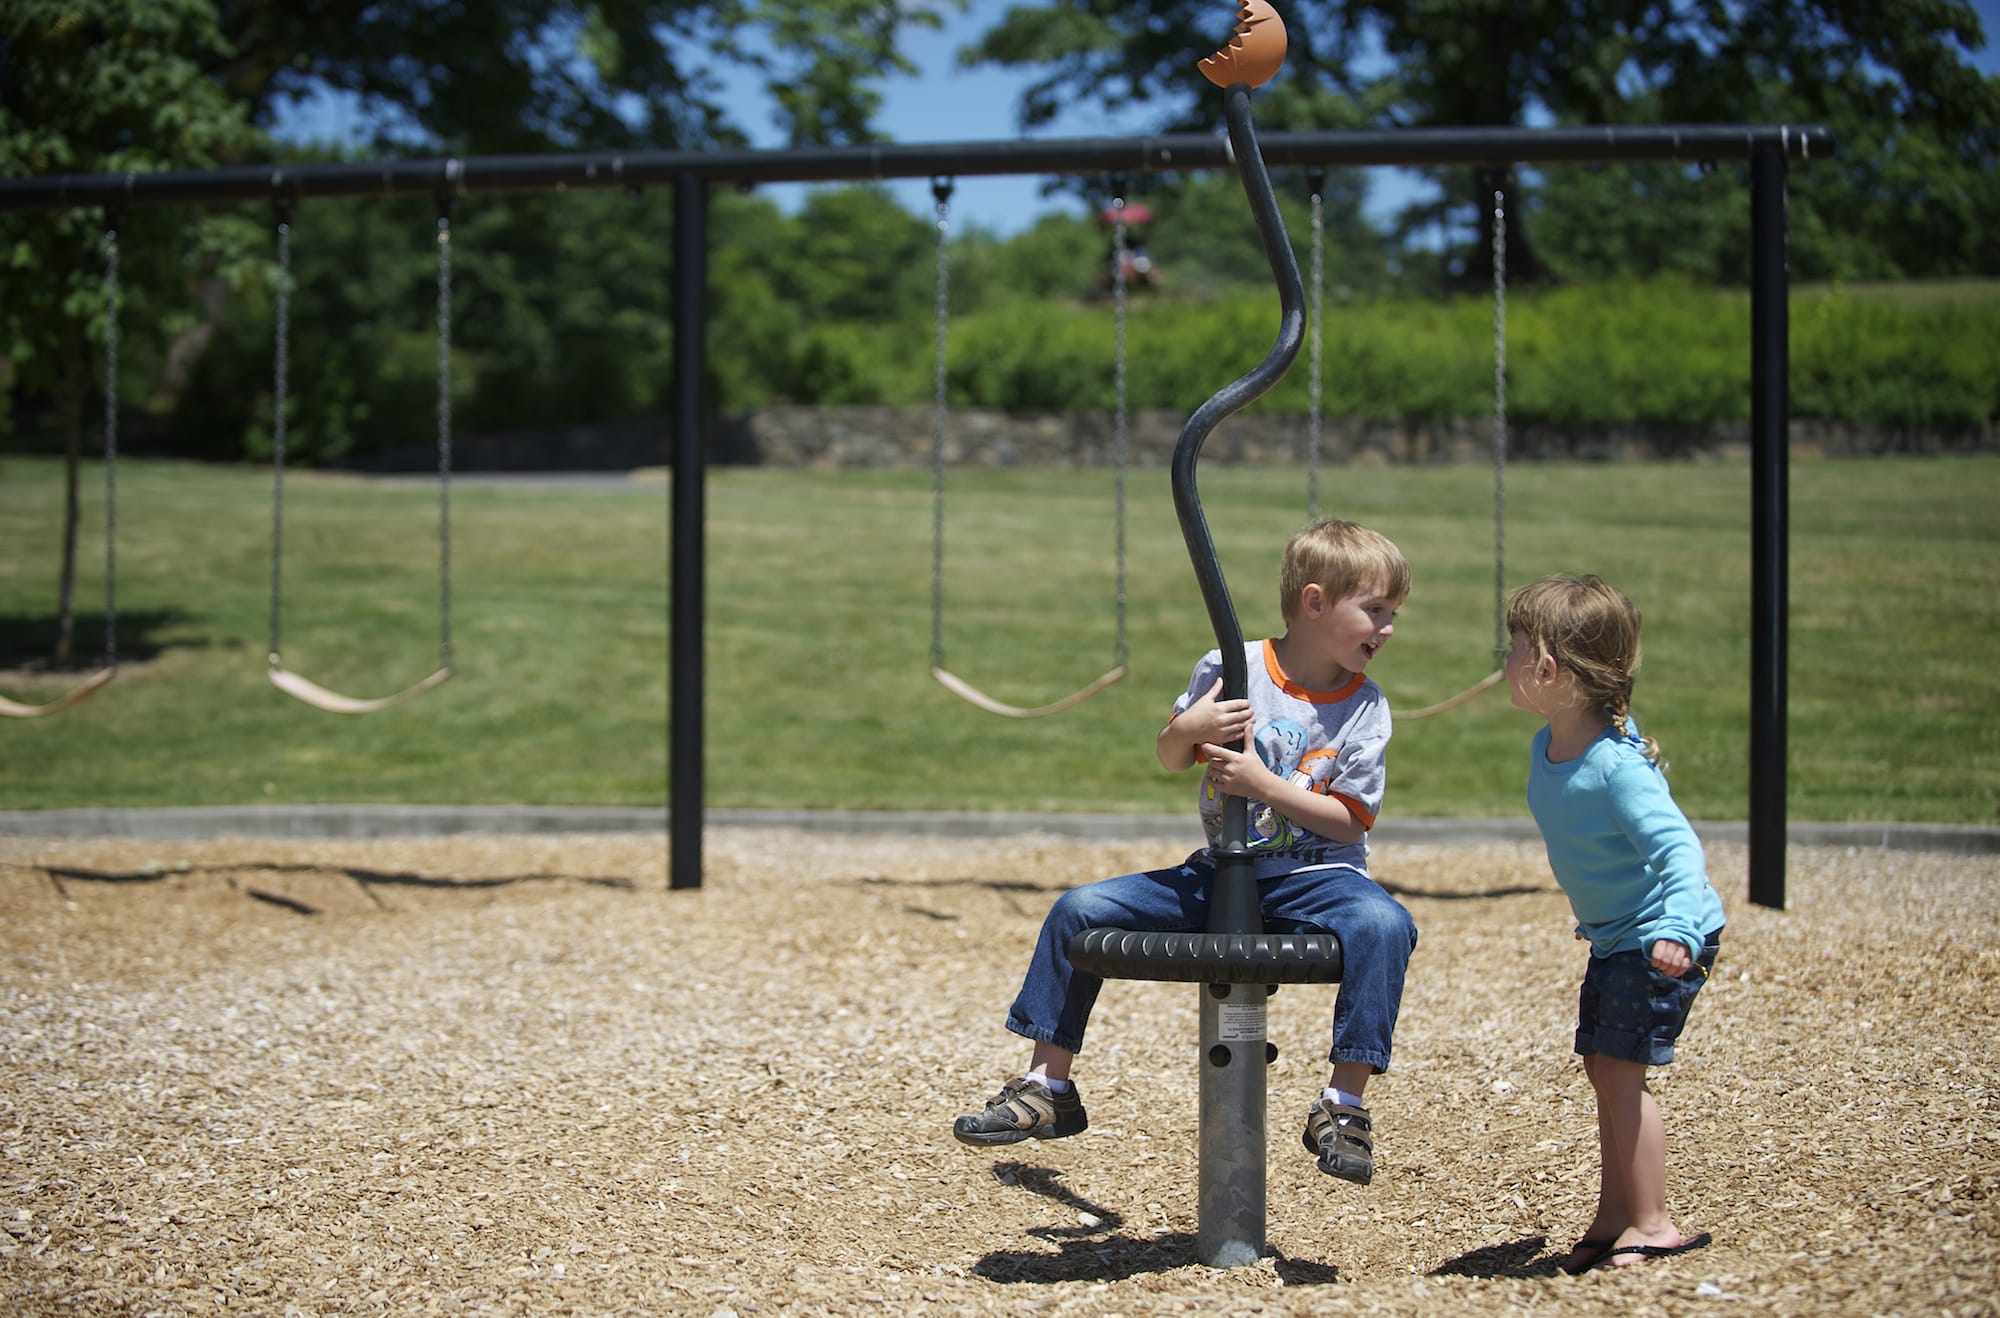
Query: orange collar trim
[1291, 688]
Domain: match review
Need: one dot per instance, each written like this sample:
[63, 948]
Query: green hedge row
[1660, 350]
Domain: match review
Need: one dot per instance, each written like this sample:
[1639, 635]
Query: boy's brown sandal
[1023, 1109]
[1343, 1138]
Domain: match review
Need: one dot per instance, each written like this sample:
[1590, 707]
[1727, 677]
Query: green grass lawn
[818, 635]
[559, 636]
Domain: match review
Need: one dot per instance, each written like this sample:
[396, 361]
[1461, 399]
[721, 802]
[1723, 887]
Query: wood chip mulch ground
[518, 1075]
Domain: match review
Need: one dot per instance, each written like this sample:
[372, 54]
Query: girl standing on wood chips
[1636, 879]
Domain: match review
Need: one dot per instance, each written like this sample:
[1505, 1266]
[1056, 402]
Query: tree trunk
[184, 353]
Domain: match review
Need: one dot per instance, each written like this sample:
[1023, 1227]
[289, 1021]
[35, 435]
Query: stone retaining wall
[902, 437]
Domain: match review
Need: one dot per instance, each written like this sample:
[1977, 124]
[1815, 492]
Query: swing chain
[1500, 420]
[1120, 438]
[941, 190]
[444, 209]
[280, 374]
[1316, 181]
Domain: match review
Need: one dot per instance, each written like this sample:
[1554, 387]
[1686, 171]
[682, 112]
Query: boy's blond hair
[1591, 630]
[1342, 559]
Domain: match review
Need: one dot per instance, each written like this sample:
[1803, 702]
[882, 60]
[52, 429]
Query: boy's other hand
[1671, 958]
[1222, 722]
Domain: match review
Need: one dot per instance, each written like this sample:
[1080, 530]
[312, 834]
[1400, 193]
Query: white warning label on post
[1239, 1022]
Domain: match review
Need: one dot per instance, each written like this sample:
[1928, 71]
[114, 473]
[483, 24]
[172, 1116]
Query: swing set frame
[1768, 149]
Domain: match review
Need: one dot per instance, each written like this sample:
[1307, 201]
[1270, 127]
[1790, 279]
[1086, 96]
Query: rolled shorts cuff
[1625, 1046]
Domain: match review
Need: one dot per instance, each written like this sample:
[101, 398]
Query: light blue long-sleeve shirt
[1623, 852]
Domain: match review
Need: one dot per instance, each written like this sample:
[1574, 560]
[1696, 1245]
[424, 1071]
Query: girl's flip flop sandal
[1647, 1253]
[1585, 1254]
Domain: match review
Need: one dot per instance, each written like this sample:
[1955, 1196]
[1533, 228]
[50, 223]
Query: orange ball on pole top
[1256, 51]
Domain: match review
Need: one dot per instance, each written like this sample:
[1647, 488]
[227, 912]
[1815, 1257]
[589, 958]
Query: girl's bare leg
[1612, 1216]
[1633, 1145]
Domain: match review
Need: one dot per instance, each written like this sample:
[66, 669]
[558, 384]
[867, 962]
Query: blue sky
[1987, 61]
[944, 103]
[1989, 18]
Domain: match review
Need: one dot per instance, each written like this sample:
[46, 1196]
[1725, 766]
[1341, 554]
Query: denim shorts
[1630, 1011]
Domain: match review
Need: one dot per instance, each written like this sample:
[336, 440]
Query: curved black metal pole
[1233, 906]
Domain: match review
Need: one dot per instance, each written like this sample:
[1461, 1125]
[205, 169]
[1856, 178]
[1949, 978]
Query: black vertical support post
[690, 460]
[1769, 497]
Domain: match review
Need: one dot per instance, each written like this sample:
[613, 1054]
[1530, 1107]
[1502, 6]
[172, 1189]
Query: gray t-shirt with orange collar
[1330, 742]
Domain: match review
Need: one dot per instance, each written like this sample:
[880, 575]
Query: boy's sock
[1335, 1095]
[1055, 1086]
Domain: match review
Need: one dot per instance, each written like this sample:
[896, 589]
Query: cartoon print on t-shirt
[1281, 745]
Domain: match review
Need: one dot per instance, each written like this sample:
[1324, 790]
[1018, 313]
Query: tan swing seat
[958, 686]
[304, 688]
[83, 691]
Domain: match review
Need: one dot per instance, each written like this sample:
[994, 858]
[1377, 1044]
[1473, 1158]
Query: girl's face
[1528, 675]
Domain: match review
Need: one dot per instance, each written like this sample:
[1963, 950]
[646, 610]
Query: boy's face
[1350, 629]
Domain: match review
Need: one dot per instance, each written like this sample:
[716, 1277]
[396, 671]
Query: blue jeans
[1376, 938]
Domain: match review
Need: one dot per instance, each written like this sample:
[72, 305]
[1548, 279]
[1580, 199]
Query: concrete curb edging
[375, 821]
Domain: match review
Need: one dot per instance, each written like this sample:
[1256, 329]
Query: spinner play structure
[1236, 964]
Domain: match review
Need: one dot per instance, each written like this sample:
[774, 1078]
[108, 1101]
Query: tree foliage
[561, 301]
[1920, 128]
[103, 85]
[525, 75]
[106, 86]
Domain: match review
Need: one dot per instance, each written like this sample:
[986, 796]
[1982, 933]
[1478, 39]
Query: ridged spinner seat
[1205, 958]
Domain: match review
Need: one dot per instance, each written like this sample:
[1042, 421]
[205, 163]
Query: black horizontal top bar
[556, 171]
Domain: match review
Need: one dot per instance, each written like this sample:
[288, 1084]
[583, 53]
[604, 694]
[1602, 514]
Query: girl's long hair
[1591, 630]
